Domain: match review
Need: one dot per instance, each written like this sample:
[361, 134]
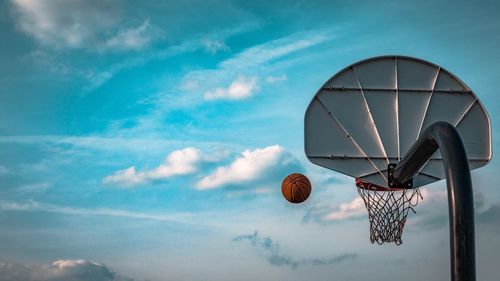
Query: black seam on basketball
[292, 197]
[285, 180]
[297, 187]
[306, 183]
[304, 187]
[291, 193]
[300, 177]
[287, 184]
[303, 196]
[285, 190]
[303, 179]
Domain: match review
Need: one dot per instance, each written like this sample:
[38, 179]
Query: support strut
[444, 136]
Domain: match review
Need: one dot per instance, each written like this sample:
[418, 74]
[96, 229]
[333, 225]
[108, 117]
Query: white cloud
[126, 177]
[59, 270]
[179, 162]
[79, 24]
[355, 208]
[131, 39]
[251, 165]
[61, 23]
[240, 88]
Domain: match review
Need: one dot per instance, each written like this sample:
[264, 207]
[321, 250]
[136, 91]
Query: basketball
[296, 188]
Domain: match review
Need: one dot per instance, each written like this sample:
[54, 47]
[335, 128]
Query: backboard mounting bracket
[394, 184]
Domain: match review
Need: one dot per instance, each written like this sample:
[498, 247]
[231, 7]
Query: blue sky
[149, 140]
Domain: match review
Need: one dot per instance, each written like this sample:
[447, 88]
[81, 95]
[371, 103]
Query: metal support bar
[347, 157]
[394, 90]
[444, 136]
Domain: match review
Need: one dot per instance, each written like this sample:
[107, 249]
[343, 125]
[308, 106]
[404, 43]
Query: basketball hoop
[412, 118]
[387, 210]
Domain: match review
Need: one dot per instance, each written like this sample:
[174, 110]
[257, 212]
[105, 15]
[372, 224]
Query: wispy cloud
[275, 49]
[235, 78]
[33, 206]
[135, 38]
[178, 162]
[198, 42]
[97, 78]
[75, 270]
[106, 143]
[254, 62]
[275, 79]
[249, 166]
[30, 188]
[277, 257]
[213, 46]
[48, 61]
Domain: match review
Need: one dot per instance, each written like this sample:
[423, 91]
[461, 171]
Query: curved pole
[444, 136]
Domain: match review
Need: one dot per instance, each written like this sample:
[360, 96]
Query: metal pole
[444, 136]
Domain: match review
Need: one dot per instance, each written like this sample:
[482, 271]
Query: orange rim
[373, 187]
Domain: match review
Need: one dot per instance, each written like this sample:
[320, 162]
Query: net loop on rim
[387, 210]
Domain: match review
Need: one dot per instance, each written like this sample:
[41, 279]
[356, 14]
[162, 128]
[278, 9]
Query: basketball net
[387, 210]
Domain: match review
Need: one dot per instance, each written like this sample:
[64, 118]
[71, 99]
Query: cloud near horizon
[356, 209]
[430, 213]
[433, 212]
[60, 270]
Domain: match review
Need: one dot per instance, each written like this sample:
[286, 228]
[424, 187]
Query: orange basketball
[296, 188]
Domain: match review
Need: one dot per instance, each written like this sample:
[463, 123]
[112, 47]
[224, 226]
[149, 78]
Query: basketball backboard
[369, 114]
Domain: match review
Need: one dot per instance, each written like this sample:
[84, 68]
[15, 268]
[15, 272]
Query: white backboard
[369, 114]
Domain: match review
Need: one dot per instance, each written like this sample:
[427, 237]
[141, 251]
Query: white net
[387, 210]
